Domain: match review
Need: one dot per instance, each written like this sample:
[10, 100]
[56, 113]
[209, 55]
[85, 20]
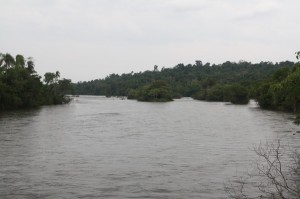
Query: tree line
[229, 81]
[274, 85]
[281, 91]
[22, 87]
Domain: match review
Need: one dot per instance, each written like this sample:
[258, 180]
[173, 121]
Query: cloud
[187, 5]
[125, 35]
[257, 10]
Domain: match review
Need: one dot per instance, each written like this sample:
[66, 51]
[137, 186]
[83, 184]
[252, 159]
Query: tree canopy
[281, 91]
[157, 91]
[21, 86]
[228, 81]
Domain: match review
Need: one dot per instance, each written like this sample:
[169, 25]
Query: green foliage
[236, 94]
[21, 87]
[49, 78]
[201, 81]
[6, 60]
[132, 94]
[264, 96]
[282, 91]
[215, 94]
[280, 74]
[20, 61]
[157, 91]
[233, 93]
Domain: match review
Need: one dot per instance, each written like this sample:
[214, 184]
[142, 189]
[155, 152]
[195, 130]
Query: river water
[97, 147]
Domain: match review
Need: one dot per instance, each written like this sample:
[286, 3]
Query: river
[97, 147]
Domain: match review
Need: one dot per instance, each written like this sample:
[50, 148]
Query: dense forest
[21, 86]
[274, 86]
[229, 81]
[281, 91]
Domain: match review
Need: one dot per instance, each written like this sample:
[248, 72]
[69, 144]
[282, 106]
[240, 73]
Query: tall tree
[30, 65]
[57, 76]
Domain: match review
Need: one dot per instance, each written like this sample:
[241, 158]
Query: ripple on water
[107, 148]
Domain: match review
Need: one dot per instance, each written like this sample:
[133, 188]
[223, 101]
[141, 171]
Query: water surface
[100, 147]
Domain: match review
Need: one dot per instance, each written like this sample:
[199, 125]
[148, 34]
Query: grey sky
[90, 39]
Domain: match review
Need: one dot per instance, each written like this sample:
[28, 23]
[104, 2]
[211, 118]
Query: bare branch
[275, 176]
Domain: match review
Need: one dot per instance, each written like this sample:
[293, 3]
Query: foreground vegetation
[276, 175]
[21, 86]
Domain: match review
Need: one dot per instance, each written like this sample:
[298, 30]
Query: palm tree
[57, 75]
[7, 61]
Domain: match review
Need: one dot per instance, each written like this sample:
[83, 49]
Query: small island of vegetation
[157, 91]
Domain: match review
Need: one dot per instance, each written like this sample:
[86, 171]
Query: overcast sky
[90, 39]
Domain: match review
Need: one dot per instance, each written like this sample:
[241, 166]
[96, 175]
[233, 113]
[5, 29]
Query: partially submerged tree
[157, 91]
